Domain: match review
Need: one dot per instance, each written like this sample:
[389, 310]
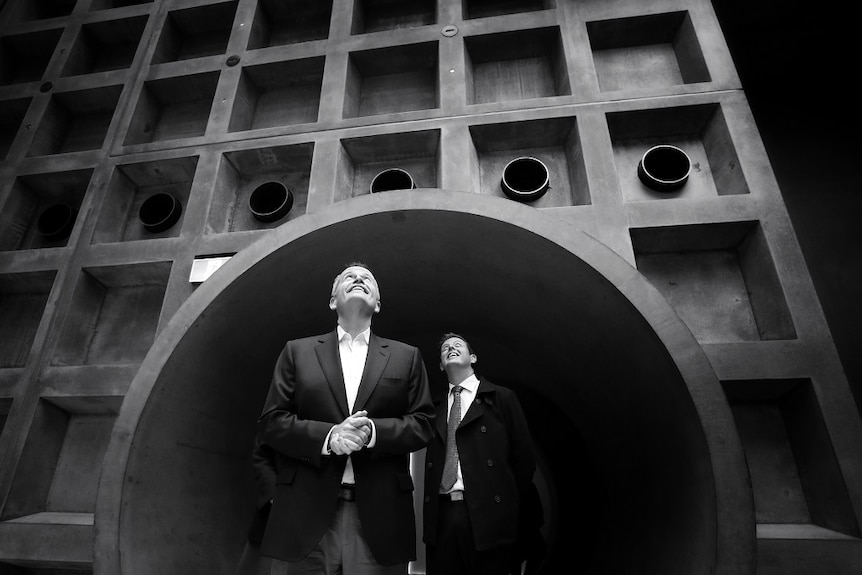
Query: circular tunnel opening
[626, 475]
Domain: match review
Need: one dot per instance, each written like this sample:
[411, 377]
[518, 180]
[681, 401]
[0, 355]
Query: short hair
[449, 335]
[350, 265]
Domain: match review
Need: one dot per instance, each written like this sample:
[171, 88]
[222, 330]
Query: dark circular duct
[160, 212]
[392, 179]
[55, 223]
[664, 168]
[270, 202]
[525, 179]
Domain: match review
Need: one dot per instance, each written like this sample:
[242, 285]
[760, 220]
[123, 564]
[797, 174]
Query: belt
[453, 496]
[347, 493]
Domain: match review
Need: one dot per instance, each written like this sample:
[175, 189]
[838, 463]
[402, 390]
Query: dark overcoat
[497, 463]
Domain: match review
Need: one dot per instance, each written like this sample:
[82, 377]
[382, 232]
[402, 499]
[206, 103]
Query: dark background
[798, 64]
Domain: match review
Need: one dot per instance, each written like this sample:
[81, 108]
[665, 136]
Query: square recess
[113, 316]
[28, 10]
[555, 142]
[361, 159]
[104, 46]
[62, 458]
[376, 15]
[12, 114]
[195, 32]
[795, 475]
[130, 186]
[22, 302]
[720, 278]
[278, 94]
[243, 173]
[699, 131]
[33, 214]
[24, 57]
[518, 65]
[173, 108]
[75, 121]
[280, 22]
[110, 4]
[486, 8]
[649, 51]
[393, 79]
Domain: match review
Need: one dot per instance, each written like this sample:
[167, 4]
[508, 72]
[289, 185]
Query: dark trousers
[455, 552]
[341, 551]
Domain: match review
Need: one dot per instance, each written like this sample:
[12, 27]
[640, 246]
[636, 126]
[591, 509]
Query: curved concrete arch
[574, 328]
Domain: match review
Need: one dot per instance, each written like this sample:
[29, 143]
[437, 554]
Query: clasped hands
[351, 435]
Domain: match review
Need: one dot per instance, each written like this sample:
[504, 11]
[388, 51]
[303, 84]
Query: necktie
[450, 468]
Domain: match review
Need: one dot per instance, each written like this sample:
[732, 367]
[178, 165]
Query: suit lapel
[375, 362]
[327, 355]
[442, 416]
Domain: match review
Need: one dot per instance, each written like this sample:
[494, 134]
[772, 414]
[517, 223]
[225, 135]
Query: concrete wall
[105, 104]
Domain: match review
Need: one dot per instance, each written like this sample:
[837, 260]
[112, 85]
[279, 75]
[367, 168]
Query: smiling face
[355, 286]
[455, 353]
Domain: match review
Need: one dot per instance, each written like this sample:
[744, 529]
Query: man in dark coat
[481, 512]
[344, 411]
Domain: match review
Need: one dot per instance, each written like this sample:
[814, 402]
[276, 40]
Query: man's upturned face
[355, 286]
[454, 351]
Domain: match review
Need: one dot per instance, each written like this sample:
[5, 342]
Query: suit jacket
[306, 398]
[263, 460]
[497, 463]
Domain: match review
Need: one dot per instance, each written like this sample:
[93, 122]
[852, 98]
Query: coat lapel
[477, 407]
[327, 355]
[375, 362]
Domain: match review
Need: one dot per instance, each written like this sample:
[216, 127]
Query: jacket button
[427, 499]
[483, 429]
[429, 465]
[478, 400]
[490, 463]
[497, 499]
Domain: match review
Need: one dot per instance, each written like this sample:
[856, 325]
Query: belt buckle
[456, 496]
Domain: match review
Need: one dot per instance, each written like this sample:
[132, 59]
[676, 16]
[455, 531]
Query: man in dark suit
[344, 411]
[482, 513]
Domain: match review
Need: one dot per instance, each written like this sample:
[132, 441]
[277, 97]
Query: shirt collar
[363, 336]
[471, 383]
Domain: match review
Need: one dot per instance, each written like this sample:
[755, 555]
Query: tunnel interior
[625, 471]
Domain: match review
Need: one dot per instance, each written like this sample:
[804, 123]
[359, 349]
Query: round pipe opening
[525, 179]
[392, 179]
[55, 223]
[160, 212]
[664, 168]
[270, 201]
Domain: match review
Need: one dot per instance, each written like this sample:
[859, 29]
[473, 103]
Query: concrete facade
[674, 339]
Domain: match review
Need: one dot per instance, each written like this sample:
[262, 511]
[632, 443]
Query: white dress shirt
[353, 352]
[470, 385]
